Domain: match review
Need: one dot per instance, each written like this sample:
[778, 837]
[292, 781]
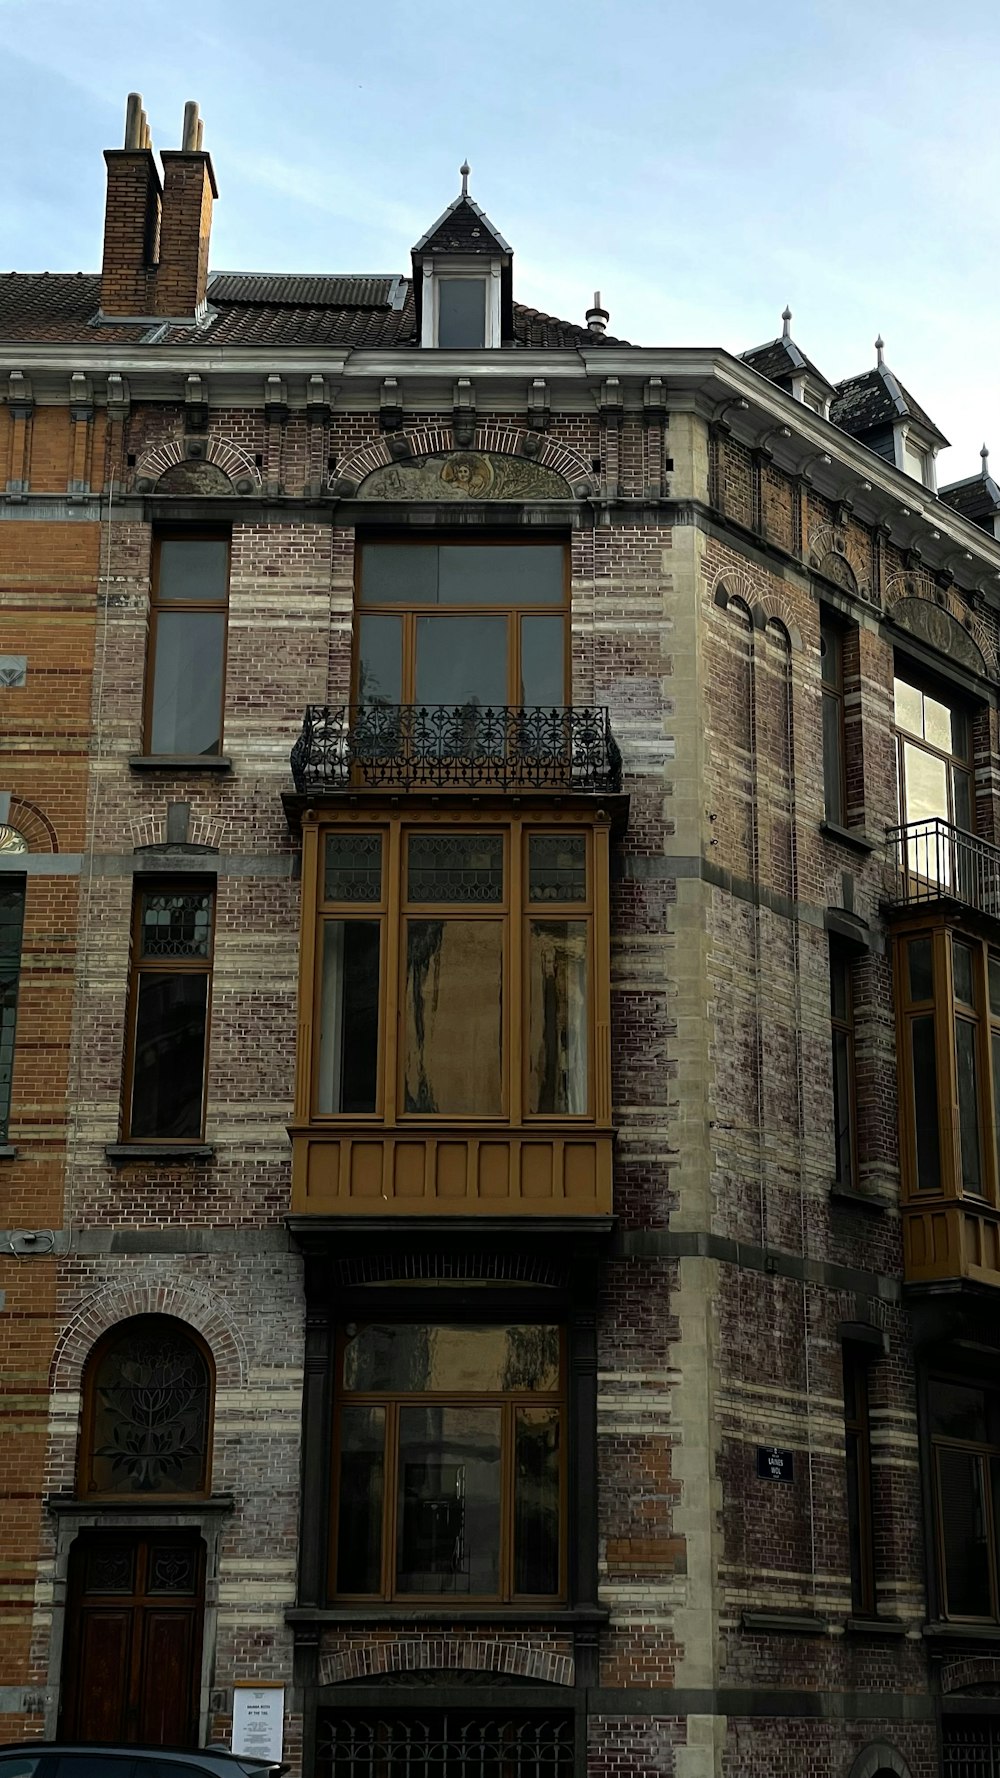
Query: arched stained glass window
[147, 1411]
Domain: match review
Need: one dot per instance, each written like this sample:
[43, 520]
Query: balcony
[467, 747]
[934, 861]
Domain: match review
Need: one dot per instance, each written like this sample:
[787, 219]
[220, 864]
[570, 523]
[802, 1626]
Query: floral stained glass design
[150, 1413]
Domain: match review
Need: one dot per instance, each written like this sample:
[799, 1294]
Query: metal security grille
[971, 1748]
[444, 1744]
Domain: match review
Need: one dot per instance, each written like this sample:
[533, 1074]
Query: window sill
[71, 1505]
[961, 1633]
[848, 836]
[848, 1194]
[875, 1626]
[169, 1155]
[788, 1623]
[456, 1614]
[180, 762]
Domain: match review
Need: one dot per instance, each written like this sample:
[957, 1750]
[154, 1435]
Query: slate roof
[782, 359]
[977, 498]
[462, 228]
[876, 399]
[253, 309]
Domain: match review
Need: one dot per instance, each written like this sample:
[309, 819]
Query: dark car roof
[218, 1759]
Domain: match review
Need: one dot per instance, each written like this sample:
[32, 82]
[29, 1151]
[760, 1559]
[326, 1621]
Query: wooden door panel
[101, 1671]
[167, 1680]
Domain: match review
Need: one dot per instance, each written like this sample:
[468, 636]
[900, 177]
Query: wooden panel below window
[518, 1173]
[956, 1240]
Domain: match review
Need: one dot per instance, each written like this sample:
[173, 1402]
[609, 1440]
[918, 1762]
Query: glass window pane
[169, 1067]
[353, 867]
[842, 1109]
[854, 1530]
[380, 660]
[961, 788]
[957, 1410]
[920, 958]
[543, 662]
[962, 1508]
[502, 574]
[908, 707]
[360, 1496]
[455, 867]
[461, 311]
[962, 973]
[925, 1103]
[448, 1506]
[840, 991]
[960, 733]
[994, 983]
[463, 1359]
[399, 574]
[926, 785]
[557, 1020]
[937, 723]
[536, 1500]
[193, 568]
[453, 1020]
[186, 707]
[830, 655]
[176, 923]
[557, 867]
[461, 660]
[150, 1397]
[349, 1008]
[833, 758]
[968, 1104]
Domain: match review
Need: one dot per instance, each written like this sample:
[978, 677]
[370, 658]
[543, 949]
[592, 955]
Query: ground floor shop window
[443, 1744]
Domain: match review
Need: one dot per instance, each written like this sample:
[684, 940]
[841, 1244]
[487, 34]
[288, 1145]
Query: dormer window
[462, 280]
[461, 310]
[917, 462]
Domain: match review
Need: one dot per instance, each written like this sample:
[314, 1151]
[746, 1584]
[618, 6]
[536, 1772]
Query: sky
[699, 164]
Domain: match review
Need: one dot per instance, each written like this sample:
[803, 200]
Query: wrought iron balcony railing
[934, 860]
[455, 747]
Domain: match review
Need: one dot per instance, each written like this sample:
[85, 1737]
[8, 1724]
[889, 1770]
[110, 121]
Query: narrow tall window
[168, 1013]
[11, 927]
[844, 1078]
[834, 749]
[965, 1451]
[187, 645]
[860, 1528]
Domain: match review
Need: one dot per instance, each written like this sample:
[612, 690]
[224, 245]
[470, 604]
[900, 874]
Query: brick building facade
[500, 1189]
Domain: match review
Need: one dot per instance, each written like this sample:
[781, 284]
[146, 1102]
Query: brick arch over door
[374, 1659]
[232, 459]
[879, 1759]
[120, 1302]
[505, 441]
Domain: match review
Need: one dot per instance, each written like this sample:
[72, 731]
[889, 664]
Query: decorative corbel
[843, 507]
[81, 398]
[81, 413]
[275, 417]
[275, 401]
[20, 398]
[21, 406]
[119, 399]
[463, 416]
[390, 406]
[654, 403]
[317, 420]
[539, 405]
[611, 406]
[195, 404]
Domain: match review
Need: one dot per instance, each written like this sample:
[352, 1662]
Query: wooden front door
[133, 1638]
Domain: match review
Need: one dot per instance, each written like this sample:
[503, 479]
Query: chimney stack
[131, 219]
[188, 190]
[156, 239]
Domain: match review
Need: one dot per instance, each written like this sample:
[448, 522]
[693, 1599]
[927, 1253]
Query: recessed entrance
[133, 1637]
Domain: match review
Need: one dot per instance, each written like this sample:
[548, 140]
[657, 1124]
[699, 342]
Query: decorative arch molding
[236, 464]
[36, 827]
[532, 449]
[373, 1660]
[943, 620]
[733, 586]
[115, 1303]
[879, 1757]
[959, 1676]
[831, 550]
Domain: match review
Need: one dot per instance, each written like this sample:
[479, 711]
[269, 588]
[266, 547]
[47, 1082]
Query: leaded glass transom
[455, 867]
[176, 923]
[353, 867]
[149, 1412]
[557, 867]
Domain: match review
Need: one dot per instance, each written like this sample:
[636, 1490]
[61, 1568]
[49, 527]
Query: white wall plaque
[258, 1720]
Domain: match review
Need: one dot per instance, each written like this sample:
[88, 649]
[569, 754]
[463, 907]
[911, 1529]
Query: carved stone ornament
[194, 476]
[464, 475]
[838, 569]
[940, 631]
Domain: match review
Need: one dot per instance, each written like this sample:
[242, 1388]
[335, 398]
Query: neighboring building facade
[501, 1184]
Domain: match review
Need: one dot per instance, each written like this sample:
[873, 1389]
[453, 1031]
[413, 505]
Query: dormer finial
[879, 349]
[786, 318]
[985, 455]
[465, 170]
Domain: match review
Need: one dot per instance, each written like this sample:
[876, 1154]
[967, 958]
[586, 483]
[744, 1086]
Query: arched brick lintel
[114, 1303]
[879, 1758]
[35, 826]
[374, 1659]
[984, 1670]
[232, 459]
[732, 586]
[506, 441]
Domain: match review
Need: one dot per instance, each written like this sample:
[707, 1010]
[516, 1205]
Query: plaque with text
[258, 1720]
[774, 1465]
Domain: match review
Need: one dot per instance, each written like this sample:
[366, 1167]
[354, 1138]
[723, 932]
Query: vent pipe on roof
[137, 134]
[597, 318]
